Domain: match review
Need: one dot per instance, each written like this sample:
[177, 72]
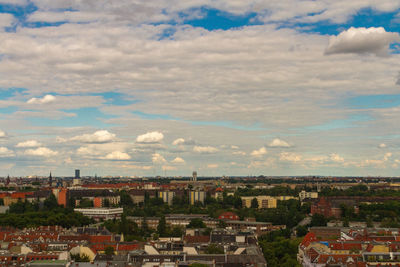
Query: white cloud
[169, 168]
[205, 149]
[3, 134]
[5, 152]
[212, 166]
[14, 2]
[278, 143]
[234, 147]
[179, 141]
[336, 158]
[88, 151]
[382, 145]
[117, 155]
[6, 20]
[387, 156]
[158, 158]
[150, 137]
[60, 139]
[41, 151]
[29, 143]
[290, 156]
[258, 153]
[44, 100]
[102, 136]
[362, 40]
[178, 160]
[240, 153]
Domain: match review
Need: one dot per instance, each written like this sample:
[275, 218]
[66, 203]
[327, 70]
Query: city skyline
[218, 87]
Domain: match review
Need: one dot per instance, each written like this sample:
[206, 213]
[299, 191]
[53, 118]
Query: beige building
[197, 196]
[167, 196]
[303, 195]
[264, 202]
[283, 198]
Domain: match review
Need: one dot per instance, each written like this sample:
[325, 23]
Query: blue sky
[291, 88]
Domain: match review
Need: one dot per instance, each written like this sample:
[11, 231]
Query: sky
[223, 87]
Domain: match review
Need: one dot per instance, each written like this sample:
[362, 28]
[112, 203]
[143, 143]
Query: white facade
[103, 213]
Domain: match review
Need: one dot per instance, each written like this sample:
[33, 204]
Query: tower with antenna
[50, 180]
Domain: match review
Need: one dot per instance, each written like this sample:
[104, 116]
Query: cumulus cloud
[150, 137]
[259, 152]
[3, 134]
[278, 143]
[178, 160]
[336, 158]
[117, 155]
[362, 40]
[44, 100]
[5, 152]
[178, 141]
[383, 145]
[102, 136]
[158, 158]
[41, 152]
[205, 149]
[29, 143]
[289, 156]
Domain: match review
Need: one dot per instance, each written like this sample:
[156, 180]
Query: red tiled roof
[308, 238]
[228, 215]
[99, 238]
[197, 239]
[345, 246]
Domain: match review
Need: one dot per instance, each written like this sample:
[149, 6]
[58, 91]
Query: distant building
[167, 196]
[101, 213]
[219, 193]
[77, 174]
[228, 216]
[197, 196]
[264, 202]
[194, 176]
[284, 198]
[303, 195]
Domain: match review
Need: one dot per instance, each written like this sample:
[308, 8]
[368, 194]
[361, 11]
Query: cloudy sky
[224, 87]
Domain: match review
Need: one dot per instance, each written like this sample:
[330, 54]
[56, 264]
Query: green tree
[301, 231]
[109, 250]
[221, 224]
[196, 223]
[214, 249]
[125, 199]
[198, 265]
[85, 203]
[318, 220]
[254, 203]
[177, 231]
[162, 227]
[80, 258]
[51, 202]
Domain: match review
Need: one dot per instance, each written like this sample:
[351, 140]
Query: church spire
[50, 179]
